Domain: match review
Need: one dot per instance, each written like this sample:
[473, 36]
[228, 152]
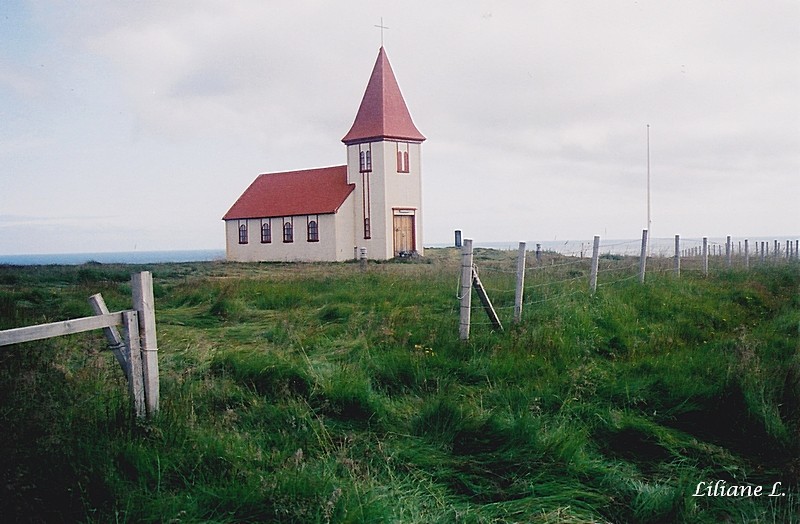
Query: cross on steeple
[382, 27]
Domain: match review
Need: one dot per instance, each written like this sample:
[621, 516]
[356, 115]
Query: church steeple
[383, 113]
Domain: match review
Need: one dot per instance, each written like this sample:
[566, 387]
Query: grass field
[321, 393]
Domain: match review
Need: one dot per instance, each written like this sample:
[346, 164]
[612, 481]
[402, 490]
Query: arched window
[313, 231]
[288, 233]
[243, 233]
[266, 233]
[365, 160]
[402, 158]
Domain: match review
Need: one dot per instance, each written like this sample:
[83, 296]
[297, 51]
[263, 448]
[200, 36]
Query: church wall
[326, 249]
[403, 190]
[345, 229]
[376, 245]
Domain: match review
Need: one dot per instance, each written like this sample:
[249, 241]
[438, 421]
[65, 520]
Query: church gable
[306, 192]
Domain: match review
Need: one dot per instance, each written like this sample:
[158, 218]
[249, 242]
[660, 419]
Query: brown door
[403, 235]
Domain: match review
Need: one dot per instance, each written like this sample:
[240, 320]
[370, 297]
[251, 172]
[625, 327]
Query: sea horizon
[114, 257]
[571, 247]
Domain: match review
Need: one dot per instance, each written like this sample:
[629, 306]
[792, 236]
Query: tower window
[402, 158]
[266, 232]
[243, 232]
[288, 232]
[367, 231]
[365, 160]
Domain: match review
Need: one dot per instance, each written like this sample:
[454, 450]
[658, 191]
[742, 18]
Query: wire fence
[538, 277]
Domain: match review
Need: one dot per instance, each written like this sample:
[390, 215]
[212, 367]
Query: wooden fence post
[595, 264]
[144, 304]
[520, 291]
[676, 263]
[728, 252]
[746, 253]
[643, 256]
[466, 288]
[112, 334]
[136, 382]
[705, 256]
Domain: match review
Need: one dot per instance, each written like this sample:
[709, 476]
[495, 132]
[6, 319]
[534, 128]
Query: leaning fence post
[705, 256]
[643, 256]
[676, 264]
[484, 298]
[130, 320]
[466, 288]
[143, 302]
[595, 263]
[112, 334]
[518, 294]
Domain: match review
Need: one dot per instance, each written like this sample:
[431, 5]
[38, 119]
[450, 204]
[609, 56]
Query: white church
[329, 213]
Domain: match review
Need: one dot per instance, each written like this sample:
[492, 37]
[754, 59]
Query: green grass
[321, 393]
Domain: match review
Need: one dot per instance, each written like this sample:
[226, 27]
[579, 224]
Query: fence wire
[554, 276]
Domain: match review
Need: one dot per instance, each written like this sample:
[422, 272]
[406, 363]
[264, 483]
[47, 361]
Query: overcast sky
[135, 125]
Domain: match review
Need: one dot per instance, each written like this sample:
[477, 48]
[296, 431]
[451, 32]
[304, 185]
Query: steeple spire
[383, 112]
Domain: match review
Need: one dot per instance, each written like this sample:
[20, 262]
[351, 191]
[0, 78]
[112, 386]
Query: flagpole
[649, 224]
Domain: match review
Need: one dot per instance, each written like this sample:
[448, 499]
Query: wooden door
[403, 235]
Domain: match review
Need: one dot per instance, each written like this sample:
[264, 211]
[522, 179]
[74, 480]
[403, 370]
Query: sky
[135, 125]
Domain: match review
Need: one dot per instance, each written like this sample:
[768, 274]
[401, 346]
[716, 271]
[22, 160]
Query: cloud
[535, 113]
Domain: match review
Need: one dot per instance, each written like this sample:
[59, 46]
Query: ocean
[578, 248]
[659, 247]
[122, 257]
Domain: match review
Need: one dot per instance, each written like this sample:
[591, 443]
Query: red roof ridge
[323, 168]
[383, 112]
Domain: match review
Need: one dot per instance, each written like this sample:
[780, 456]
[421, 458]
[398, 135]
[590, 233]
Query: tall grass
[319, 393]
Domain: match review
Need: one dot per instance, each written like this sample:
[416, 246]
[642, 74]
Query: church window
[266, 232]
[402, 158]
[243, 232]
[365, 202]
[313, 231]
[365, 160]
[288, 232]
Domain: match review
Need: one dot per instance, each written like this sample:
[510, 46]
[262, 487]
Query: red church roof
[383, 112]
[307, 192]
